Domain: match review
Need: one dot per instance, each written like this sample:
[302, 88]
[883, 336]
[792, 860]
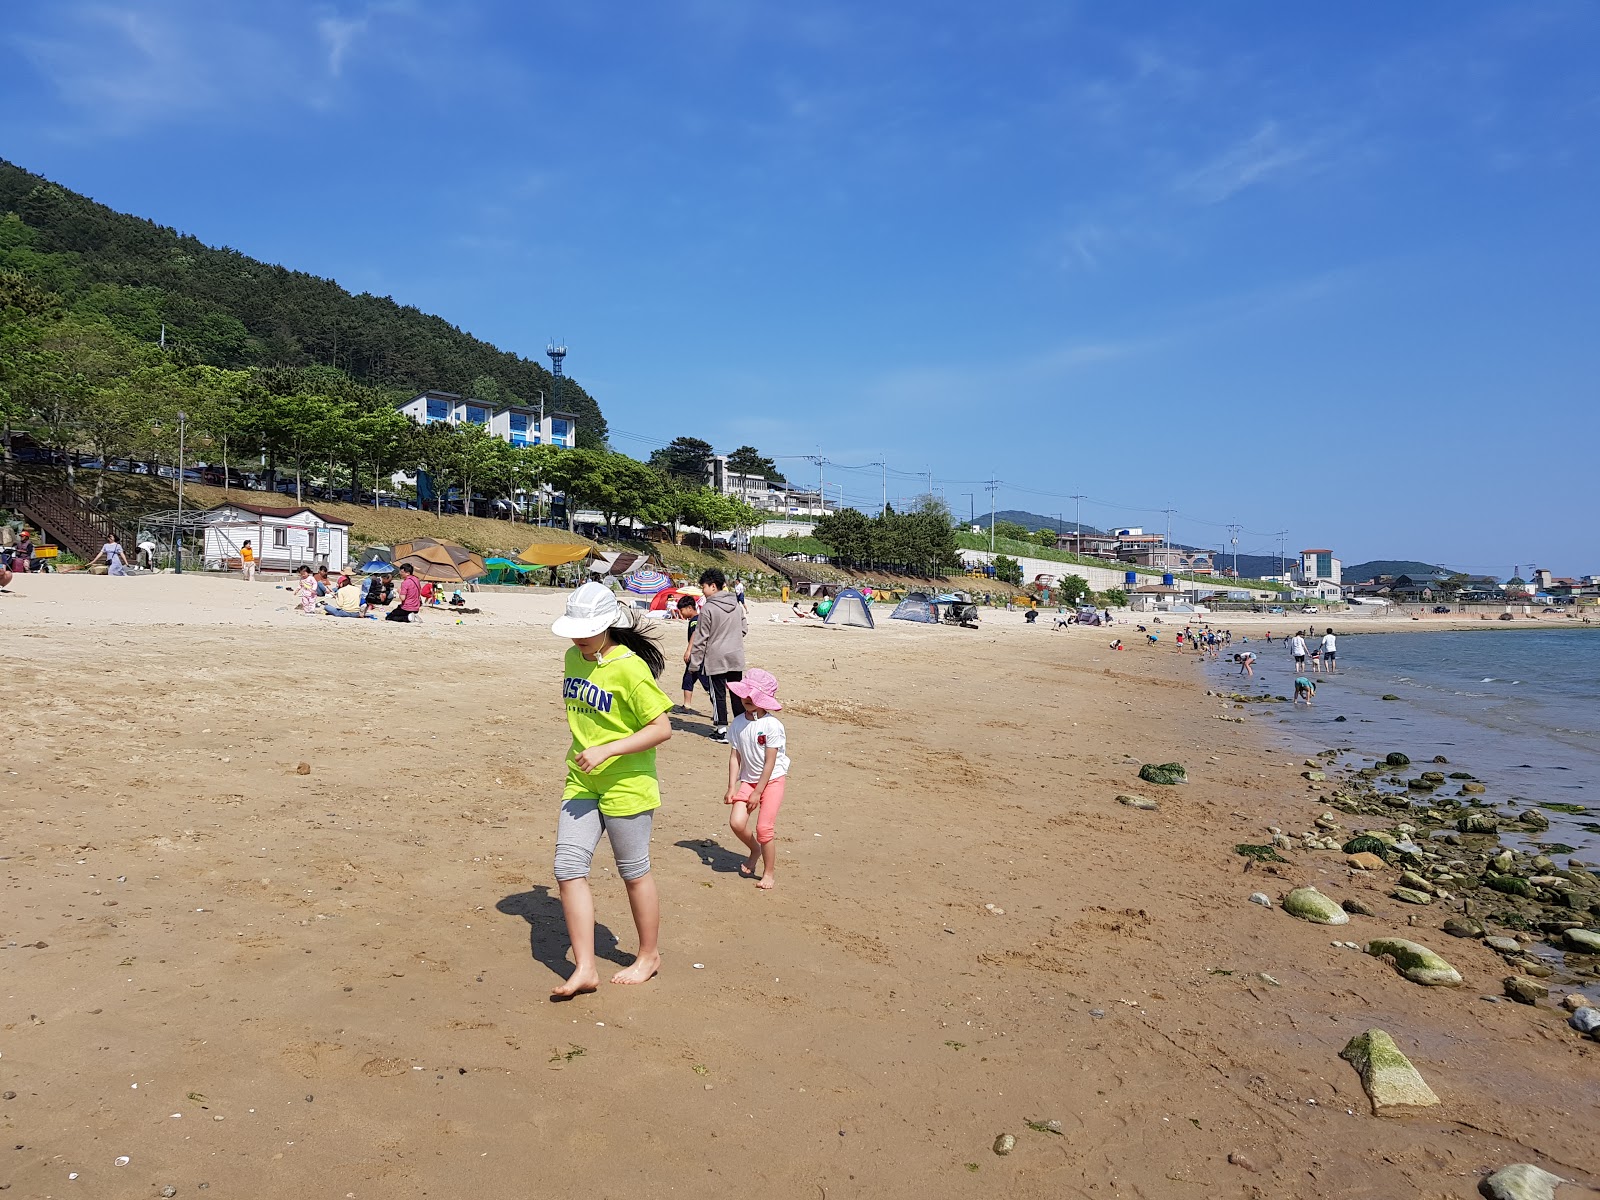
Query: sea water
[1517, 708]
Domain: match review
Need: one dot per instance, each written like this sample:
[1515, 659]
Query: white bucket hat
[591, 609]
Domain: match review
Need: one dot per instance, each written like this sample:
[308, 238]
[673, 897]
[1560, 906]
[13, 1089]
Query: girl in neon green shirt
[618, 716]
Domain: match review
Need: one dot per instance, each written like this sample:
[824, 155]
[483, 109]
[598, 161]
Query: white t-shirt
[1297, 646]
[1329, 644]
[751, 739]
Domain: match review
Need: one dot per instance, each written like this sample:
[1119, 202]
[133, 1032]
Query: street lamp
[177, 552]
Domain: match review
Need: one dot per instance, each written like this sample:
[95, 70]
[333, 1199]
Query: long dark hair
[642, 644]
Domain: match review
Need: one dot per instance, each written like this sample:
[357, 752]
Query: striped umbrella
[647, 582]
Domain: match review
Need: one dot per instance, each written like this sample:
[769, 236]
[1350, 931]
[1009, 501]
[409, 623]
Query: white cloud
[337, 34]
[1262, 156]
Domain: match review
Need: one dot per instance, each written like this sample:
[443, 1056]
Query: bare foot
[766, 882]
[642, 971]
[577, 983]
[748, 867]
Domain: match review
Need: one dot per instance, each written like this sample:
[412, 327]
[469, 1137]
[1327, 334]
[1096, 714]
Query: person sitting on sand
[758, 771]
[1117, 645]
[305, 590]
[1304, 689]
[345, 601]
[410, 596]
[617, 714]
[379, 592]
[116, 560]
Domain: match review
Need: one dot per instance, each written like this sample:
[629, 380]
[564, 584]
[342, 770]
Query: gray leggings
[578, 831]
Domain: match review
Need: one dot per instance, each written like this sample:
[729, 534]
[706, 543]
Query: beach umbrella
[647, 582]
[553, 554]
[439, 562]
[375, 566]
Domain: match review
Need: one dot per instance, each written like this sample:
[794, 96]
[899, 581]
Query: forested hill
[225, 309]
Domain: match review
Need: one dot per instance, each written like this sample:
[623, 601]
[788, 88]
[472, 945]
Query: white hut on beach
[283, 538]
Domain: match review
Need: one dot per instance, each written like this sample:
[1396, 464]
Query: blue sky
[1323, 269]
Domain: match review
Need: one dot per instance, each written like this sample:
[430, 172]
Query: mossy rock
[1576, 810]
[1391, 696]
[1477, 822]
[1434, 777]
[1394, 758]
[1259, 853]
[1391, 1082]
[1163, 773]
[1511, 885]
[1416, 962]
[1309, 904]
[1367, 844]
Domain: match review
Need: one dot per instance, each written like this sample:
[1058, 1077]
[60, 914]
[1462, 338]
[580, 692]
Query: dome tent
[850, 607]
[916, 607]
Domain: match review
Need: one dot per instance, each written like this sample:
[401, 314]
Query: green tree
[747, 460]
[1010, 529]
[382, 439]
[431, 451]
[477, 458]
[685, 458]
[1045, 537]
[1073, 589]
[1008, 570]
[1114, 598]
[849, 532]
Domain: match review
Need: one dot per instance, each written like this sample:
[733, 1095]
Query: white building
[1318, 568]
[518, 424]
[282, 538]
[768, 495]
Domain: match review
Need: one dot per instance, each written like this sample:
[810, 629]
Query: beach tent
[664, 600]
[850, 607]
[501, 569]
[438, 561]
[375, 566]
[916, 607]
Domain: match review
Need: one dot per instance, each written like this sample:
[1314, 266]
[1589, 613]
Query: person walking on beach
[247, 561]
[758, 771]
[718, 645]
[410, 596]
[617, 714]
[1330, 651]
[688, 611]
[1297, 648]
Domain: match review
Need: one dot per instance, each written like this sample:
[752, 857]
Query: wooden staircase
[61, 516]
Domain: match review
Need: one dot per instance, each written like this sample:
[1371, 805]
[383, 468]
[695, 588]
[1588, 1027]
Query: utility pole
[1077, 520]
[1282, 533]
[177, 551]
[1233, 536]
[930, 483]
[1166, 559]
[993, 486]
[1058, 527]
[883, 462]
[972, 512]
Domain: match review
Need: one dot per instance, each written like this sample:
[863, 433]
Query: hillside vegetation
[224, 309]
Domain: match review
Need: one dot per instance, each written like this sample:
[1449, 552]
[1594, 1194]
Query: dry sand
[333, 984]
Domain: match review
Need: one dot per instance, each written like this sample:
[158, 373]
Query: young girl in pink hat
[758, 769]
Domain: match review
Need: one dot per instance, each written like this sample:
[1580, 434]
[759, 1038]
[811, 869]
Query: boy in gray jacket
[718, 646]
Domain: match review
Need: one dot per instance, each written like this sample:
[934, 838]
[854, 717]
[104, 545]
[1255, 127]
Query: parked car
[1441, 608]
[1507, 617]
[1311, 609]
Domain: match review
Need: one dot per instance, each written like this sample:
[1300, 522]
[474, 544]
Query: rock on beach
[1520, 1181]
[1391, 1082]
[1311, 905]
[1416, 962]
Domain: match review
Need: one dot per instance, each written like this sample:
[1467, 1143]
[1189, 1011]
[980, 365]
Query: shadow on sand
[547, 930]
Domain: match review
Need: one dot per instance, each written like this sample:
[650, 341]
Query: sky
[1325, 270]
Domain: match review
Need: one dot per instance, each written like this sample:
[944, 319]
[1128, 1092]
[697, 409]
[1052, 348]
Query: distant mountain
[1029, 520]
[1362, 572]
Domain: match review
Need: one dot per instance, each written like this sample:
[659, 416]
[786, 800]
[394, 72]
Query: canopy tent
[617, 562]
[439, 562]
[647, 582]
[375, 566]
[850, 607]
[502, 569]
[377, 550]
[553, 554]
[916, 607]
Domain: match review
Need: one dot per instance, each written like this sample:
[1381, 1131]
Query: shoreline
[970, 932]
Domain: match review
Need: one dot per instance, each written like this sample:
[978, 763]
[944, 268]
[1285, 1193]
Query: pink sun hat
[760, 688]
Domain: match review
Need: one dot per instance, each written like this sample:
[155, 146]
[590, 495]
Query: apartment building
[518, 424]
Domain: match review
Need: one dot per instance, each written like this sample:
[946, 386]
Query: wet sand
[338, 979]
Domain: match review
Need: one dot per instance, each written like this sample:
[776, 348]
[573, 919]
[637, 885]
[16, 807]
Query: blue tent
[850, 607]
[916, 607]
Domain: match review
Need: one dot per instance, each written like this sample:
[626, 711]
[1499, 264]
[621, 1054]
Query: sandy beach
[256, 982]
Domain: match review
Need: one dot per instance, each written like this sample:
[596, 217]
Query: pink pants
[771, 799]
